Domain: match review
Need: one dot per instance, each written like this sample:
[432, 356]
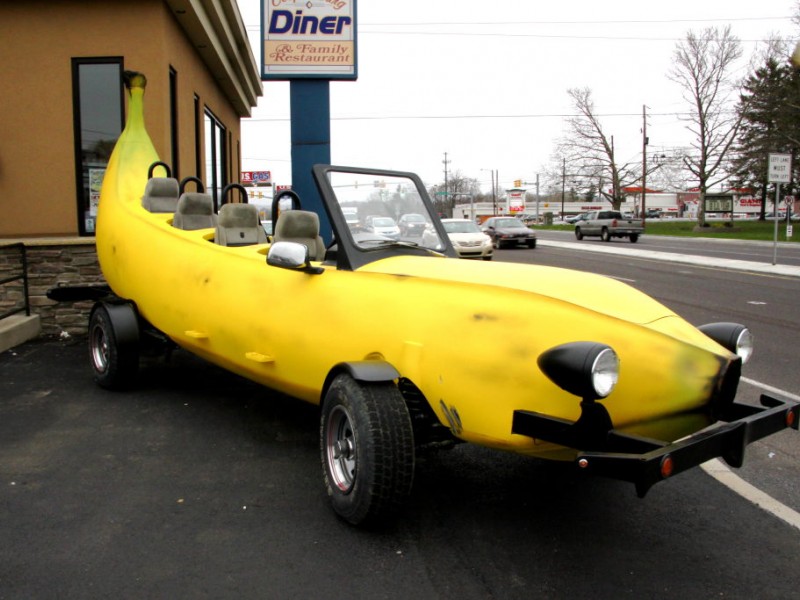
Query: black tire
[531, 244]
[487, 258]
[367, 447]
[114, 354]
[605, 235]
[578, 233]
[634, 237]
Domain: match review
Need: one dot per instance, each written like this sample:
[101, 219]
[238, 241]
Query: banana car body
[402, 344]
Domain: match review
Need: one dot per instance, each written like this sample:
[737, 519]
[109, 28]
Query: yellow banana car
[402, 345]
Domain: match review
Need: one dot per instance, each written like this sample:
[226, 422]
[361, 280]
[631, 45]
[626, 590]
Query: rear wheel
[113, 345]
[367, 446]
[605, 235]
[634, 237]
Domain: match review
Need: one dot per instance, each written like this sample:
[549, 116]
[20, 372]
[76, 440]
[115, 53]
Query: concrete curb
[700, 261]
[17, 329]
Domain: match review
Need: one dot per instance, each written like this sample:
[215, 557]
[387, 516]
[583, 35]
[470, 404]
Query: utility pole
[494, 192]
[644, 159]
[563, 183]
[537, 197]
[445, 162]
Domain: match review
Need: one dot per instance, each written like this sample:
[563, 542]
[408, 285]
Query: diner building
[64, 106]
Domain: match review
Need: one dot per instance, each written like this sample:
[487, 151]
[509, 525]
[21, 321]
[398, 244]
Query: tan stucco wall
[38, 40]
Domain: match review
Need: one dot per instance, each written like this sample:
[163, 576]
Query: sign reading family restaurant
[311, 39]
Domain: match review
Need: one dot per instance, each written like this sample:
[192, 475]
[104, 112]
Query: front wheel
[605, 235]
[367, 447]
[531, 243]
[578, 233]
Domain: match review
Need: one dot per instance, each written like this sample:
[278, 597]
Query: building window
[215, 157]
[99, 109]
[173, 121]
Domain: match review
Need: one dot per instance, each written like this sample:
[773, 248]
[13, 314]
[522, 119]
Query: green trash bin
[548, 218]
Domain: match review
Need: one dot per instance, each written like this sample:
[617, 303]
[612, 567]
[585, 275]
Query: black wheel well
[428, 431]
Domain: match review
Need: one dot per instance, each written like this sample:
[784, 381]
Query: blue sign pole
[311, 142]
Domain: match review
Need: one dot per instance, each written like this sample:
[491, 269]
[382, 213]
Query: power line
[450, 117]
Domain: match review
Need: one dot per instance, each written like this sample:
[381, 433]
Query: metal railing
[23, 276]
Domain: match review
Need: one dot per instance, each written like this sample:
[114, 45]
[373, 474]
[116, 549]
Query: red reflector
[789, 418]
[666, 466]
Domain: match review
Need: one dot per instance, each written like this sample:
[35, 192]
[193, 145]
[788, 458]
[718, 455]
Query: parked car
[412, 225]
[572, 219]
[467, 238]
[508, 231]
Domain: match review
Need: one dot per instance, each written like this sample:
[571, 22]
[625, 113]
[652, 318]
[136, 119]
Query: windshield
[509, 222]
[382, 201]
[461, 227]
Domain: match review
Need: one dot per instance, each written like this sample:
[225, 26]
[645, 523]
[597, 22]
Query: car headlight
[732, 336]
[587, 369]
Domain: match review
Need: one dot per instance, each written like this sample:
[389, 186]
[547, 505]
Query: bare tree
[702, 69]
[459, 186]
[588, 153]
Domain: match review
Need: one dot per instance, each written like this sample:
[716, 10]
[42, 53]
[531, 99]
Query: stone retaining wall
[51, 263]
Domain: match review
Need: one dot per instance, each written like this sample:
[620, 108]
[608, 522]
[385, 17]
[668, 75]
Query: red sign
[256, 177]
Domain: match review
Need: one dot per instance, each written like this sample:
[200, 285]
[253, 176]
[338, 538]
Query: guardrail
[23, 277]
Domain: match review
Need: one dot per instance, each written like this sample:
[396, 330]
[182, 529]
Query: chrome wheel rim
[99, 341]
[340, 449]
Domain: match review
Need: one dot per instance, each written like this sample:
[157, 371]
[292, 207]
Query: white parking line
[769, 388]
[719, 471]
[722, 473]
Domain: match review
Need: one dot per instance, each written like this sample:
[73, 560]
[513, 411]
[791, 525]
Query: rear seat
[195, 211]
[161, 195]
[239, 225]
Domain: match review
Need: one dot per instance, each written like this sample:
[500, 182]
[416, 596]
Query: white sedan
[467, 238]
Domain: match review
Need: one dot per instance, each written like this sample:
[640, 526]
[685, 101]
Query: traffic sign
[780, 168]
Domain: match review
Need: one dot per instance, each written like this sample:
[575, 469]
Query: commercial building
[64, 107]
[63, 104]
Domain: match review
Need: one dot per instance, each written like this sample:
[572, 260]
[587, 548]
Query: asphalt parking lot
[110, 495]
[199, 484]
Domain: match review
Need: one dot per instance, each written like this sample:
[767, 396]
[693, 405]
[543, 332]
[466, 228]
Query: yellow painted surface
[468, 334]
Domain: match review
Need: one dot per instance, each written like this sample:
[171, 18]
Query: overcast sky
[486, 81]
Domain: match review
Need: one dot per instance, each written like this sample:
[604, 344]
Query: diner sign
[311, 39]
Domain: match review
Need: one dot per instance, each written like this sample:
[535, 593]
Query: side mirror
[291, 255]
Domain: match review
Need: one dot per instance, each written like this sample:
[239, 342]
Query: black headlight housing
[734, 337]
[587, 369]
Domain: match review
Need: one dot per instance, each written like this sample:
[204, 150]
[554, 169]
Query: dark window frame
[215, 181]
[77, 63]
[173, 122]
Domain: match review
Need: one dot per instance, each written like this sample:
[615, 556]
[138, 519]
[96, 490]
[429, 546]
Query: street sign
[780, 168]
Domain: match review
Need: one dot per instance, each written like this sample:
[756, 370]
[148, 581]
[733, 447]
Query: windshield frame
[350, 255]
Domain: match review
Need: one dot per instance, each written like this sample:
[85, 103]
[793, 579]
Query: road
[199, 484]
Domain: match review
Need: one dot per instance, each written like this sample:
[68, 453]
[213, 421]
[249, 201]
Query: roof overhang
[216, 30]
